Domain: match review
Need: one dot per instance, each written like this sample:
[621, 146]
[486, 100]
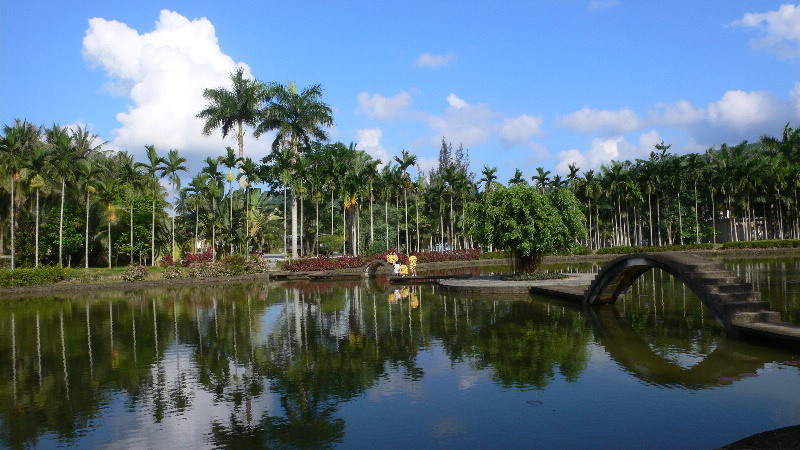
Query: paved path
[566, 288]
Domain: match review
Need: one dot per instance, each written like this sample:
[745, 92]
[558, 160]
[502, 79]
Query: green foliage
[525, 221]
[534, 276]
[495, 255]
[134, 272]
[770, 243]
[235, 264]
[626, 249]
[31, 276]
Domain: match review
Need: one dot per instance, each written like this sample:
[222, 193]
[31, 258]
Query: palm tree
[238, 106]
[489, 178]
[193, 195]
[404, 161]
[249, 176]
[130, 180]
[230, 160]
[152, 167]
[173, 164]
[517, 178]
[541, 178]
[20, 139]
[38, 162]
[108, 191]
[89, 171]
[63, 163]
[296, 117]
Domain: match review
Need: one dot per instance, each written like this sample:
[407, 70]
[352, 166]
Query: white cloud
[520, 130]
[369, 140]
[462, 123]
[431, 61]
[603, 151]
[164, 72]
[677, 114]
[384, 108]
[456, 102]
[426, 164]
[601, 5]
[740, 109]
[780, 30]
[609, 121]
[795, 96]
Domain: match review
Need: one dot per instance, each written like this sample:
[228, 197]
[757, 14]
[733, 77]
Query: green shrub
[769, 243]
[173, 272]
[205, 270]
[626, 249]
[31, 276]
[134, 272]
[495, 255]
[234, 264]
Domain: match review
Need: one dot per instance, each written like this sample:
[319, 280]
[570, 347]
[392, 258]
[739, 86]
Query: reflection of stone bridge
[732, 300]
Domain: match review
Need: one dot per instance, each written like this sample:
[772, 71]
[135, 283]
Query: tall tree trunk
[36, 255]
[386, 213]
[714, 219]
[451, 237]
[13, 221]
[61, 223]
[416, 209]
[300, 230]
[371, 221]
[316, 235]
[240, 137]
[405, 211]
[344, 229]
[650, 208]
[658, 219]
[680, 220]
[196, 227]
[86, 242]
[696, 215]
[132, 234]
[109, 243]
[153, 232]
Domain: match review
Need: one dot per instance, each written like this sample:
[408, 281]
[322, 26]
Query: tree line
[68, 201]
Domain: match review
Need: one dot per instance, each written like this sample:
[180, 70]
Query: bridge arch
[730, 299]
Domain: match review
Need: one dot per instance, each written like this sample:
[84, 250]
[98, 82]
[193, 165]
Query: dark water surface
[346, 364]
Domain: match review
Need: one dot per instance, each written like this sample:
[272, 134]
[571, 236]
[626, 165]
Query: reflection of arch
[728, 296]
[729, 362]
[371, 268]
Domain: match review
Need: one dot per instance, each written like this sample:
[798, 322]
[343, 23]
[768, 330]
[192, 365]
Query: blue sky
[520, 84]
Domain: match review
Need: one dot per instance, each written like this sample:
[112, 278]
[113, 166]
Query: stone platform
[570, 288]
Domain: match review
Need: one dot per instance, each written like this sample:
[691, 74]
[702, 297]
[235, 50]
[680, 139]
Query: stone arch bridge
[732, 300]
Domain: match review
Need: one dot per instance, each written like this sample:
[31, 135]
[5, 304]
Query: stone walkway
[571, 288]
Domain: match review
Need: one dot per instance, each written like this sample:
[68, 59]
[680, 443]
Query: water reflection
[279, 365]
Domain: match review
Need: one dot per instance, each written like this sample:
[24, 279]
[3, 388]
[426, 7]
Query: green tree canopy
[526, 222]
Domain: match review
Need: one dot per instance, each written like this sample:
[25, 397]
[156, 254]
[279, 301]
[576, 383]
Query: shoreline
[278, 276]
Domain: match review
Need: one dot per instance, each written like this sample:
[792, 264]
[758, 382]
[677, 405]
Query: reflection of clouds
[448, 426]
[393, 384]
[191, 426]
[467, 381]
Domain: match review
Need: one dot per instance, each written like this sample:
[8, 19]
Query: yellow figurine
[412, 265]
[403, 270]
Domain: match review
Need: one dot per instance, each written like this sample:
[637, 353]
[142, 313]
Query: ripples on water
[323, 364]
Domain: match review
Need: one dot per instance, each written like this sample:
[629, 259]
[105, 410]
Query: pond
[329, 364]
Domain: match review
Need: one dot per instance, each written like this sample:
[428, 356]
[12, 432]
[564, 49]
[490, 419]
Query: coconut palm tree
[517, 178]
[231, 161]
[404, 161]
[109, 190]
[63, 163]
[297, 118]
[173, 164]
[152, 167]
[489, 178]
[37, 165]
[89, 172]
[234, 107]
[249, 176]
[542, 178]
[20, 139]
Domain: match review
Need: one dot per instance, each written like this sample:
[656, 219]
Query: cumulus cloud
[589, 120]
[369, 140]
[463, 123]
[677, 114]
[603, 151]
[740, 109]
[601, 5]
[384, 108]
[780, 30]
[431, 61]
[164, 72]
[520, 130]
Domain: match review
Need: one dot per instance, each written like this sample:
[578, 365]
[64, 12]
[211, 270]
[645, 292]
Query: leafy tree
[526, 222]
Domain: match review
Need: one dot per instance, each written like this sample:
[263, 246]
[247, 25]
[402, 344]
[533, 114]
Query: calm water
[344, 364]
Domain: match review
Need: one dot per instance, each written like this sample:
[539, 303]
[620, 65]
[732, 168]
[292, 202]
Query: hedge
[625, 249]
[768, 243]
[31, 276]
